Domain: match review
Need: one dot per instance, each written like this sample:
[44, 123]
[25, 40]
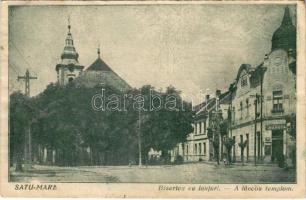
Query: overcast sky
[192, 47]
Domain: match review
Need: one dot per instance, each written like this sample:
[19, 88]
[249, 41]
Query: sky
[195, 48]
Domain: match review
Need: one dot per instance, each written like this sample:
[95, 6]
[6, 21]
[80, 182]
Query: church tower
[69, 68]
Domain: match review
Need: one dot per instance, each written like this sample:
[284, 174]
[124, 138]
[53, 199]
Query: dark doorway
[277, 145]
[70, 79]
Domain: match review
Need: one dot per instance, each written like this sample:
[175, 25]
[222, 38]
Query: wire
[20, 53]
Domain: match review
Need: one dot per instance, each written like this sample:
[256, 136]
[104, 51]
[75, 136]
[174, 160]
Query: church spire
[69, 54]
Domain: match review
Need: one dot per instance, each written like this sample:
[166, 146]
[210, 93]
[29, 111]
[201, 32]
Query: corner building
[263, 107]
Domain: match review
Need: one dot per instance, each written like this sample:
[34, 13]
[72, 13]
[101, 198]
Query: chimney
[218, 93]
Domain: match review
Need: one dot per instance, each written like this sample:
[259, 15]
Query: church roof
[99, 65]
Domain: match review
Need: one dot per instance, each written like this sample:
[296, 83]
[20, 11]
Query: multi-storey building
[259, 108]
[198, 145]
[264, 100]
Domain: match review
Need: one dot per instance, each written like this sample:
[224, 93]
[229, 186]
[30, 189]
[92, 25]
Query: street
[186, 173]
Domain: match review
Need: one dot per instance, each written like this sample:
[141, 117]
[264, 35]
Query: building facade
[258, 110]
[199, 143]
[264, 101]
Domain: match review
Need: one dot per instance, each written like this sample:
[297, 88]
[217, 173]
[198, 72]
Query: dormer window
[244, 81]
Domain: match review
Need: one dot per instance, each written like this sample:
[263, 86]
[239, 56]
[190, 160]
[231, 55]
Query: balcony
[277, 111]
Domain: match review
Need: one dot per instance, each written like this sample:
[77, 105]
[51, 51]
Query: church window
[277, 101]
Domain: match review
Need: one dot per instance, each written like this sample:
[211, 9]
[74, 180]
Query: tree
[242, 146]
[21, 115]
[66, 123]
[229, 143]
[215, 132]
[163, 129]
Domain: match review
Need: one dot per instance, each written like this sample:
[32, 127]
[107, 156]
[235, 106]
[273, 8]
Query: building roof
[285, 36]
[99, 73]
[99, 65]
[257, 75]
[207, 105]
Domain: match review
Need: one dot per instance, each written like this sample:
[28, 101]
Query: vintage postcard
[173, 99]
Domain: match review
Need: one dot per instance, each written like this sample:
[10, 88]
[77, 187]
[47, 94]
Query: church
[70, 70]
[98, 73]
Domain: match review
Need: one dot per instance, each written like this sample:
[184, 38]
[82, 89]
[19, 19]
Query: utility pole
[255, 131]
[261, 109]
[139, 140]
[27, 147]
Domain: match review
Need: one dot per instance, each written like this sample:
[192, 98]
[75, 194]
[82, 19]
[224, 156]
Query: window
[241, 138]
[200, 128]
[187, 149]
[195, 128]
[204, 131]
[240, 109]
[195, 149]
[277, 101]
[204, 148]
[200, 148]
[244, 80]
[247, 106]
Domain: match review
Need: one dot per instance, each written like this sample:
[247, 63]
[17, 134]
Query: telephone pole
[27, 145]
